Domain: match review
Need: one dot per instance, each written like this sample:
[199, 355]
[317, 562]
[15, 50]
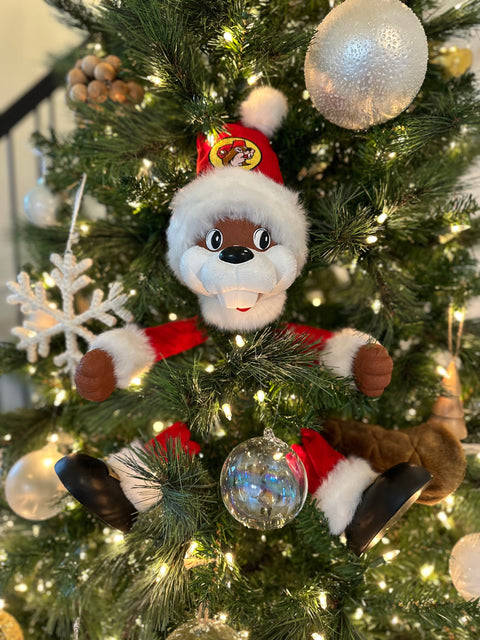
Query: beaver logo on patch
[235, 152]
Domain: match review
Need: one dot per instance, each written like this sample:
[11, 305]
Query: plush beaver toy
[238, 239]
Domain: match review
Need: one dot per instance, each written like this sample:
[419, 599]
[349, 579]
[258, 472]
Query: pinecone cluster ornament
[95, 80]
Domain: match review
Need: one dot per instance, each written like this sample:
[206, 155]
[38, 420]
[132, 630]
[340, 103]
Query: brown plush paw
[372, 369]
[95, 376]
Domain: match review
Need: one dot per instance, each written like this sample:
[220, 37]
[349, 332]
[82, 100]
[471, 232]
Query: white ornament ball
[464, 566]
[41, 205]
[32, 488]
[204, 630]
[366, 62]
[263, 483]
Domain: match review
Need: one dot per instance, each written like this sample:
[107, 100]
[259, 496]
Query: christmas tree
[287, 214]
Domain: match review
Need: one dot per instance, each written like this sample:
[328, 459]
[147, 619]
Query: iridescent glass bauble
[366, 62]
[263, 483]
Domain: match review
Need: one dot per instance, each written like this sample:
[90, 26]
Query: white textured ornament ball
[464, 566]
[32, 488]
[263, 483]
[41, 205]
[366, 62]
[204, 630]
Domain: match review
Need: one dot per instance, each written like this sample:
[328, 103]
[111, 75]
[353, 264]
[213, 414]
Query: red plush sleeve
[310, 334]
[318, 457]
[175, 337]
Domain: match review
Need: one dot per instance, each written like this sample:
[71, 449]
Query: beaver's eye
[261, 239]
[214, 239]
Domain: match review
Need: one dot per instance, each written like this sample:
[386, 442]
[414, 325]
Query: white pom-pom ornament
[366, 62]
[464, 566]
[264, 109]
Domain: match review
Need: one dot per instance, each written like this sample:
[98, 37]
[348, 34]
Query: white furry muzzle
[242, 296]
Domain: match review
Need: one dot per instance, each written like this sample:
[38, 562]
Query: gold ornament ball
[104, 72]
[204, 630]
[89, 63]
[76, 76]
[78, 93]
[118, 91]
[135, 92]
[114, 61]
[97, 91]
[455, 61]
[9, 627]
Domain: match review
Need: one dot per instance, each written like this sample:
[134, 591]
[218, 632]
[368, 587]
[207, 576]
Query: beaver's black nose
[236, 254]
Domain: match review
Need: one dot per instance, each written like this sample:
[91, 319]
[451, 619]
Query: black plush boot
[383, 503]
[90, 482]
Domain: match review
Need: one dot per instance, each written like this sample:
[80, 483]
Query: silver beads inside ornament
[263, 483]
[366, 62]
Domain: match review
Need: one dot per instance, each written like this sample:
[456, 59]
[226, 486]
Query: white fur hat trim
[130, 350]
[340, 350]
[340, 493]
[139, 491]
[231, 192]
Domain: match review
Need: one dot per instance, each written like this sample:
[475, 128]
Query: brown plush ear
[429, 445]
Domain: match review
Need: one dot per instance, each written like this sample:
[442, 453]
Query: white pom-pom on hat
[264, 109]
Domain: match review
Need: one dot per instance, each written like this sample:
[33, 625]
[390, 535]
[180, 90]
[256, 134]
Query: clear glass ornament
[204, 630]
[464, 566]
[32, 488]
[366, 62]
[263, 482]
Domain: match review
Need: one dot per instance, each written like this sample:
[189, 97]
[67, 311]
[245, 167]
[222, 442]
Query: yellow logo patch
[235, 152]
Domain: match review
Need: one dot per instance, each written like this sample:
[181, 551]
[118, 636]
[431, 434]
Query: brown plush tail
[429, 445]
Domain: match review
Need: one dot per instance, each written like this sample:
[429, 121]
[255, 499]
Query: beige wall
[30, 32]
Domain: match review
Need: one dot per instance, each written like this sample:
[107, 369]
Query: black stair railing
[26, 105]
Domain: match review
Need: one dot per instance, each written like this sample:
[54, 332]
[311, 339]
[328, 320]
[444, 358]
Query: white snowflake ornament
[45, 320]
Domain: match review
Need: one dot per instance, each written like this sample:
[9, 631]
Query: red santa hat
[239, 177]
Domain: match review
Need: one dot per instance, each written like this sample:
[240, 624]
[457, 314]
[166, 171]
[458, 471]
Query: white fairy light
[229, 559]
[426, 570]
[391, 555]
[371, 239]
[382, 585]
[227, 410]
[381, 218]
[358, 615]
[209, 368]
[172, 317]
[239, 341]
[322, 600]
[223, 617]
[317, 636]
[260, 395]
[158, 426]
[228, 36]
